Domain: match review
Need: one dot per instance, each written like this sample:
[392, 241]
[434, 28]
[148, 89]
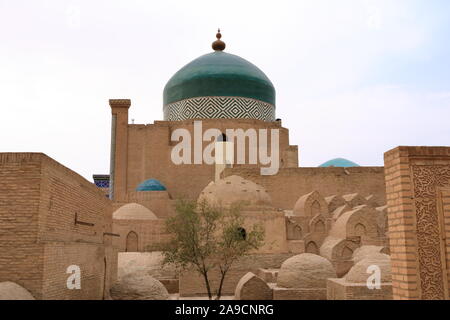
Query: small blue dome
[151, 185]
[339, 162]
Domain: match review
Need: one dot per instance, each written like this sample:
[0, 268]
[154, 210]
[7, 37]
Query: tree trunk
[219, 292]
[208, 288]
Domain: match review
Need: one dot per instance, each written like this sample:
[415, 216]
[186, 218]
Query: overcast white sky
[354, 78]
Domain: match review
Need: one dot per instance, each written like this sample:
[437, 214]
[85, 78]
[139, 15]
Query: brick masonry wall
[149, 155]
[21, 258]
[91, 260]
[56, 197]
[418, 221]
[274, 224]
[290, 184]
[149, 232]
[340, 289]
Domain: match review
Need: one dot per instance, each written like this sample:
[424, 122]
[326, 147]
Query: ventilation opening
[242, 233]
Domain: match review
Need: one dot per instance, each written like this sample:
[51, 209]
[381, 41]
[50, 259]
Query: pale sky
[354, 78]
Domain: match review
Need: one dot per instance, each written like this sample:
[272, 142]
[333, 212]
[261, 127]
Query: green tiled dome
[339, 162]
[151, 185]
[219, 74]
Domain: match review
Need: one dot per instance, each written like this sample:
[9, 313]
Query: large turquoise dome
[219, 74]
[219, 85]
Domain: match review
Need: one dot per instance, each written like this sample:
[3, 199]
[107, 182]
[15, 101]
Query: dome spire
[218, 45]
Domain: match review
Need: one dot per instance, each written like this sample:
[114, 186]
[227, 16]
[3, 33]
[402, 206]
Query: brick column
[418, 239]
[119, 148]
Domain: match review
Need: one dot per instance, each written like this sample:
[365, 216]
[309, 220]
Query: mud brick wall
[290, 184]
[52, 218]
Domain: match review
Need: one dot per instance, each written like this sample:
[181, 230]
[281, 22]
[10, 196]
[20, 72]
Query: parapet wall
[290, 183]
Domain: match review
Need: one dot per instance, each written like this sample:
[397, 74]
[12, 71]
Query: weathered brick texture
[150, 234]
[144, 151]
[40, 202]
[290, 183]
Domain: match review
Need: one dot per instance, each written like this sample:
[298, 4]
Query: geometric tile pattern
[219, 108]
[101, 180]
[102, 183]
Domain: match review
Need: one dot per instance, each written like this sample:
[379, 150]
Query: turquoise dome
[339, 162]
[151, 185]
[219, 74]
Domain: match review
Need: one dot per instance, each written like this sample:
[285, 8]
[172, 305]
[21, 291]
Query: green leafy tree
[206, 237]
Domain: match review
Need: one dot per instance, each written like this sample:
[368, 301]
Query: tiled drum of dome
[219, 108]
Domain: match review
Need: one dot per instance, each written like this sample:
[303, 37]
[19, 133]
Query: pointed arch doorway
[132, 242]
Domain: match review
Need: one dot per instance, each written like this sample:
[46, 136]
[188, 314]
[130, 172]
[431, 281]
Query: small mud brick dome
[138, 286]
[234, 189]
[219, 85]
[359, 272]
[134, 211]
[13, 291]
[305, 270]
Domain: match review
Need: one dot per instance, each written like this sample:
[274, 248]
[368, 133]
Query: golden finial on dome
[218, 45]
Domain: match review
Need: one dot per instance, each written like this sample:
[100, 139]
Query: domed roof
[134, 211]
[219, 74]
[138, 286]
[310, 205]
[367, 251]
[151, 185]
[339, 162]
[234, 189]
[305, 270]
[359, 272]
[13, 291]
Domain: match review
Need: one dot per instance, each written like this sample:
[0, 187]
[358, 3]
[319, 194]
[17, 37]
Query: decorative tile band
[219, 108]
[101, 180]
